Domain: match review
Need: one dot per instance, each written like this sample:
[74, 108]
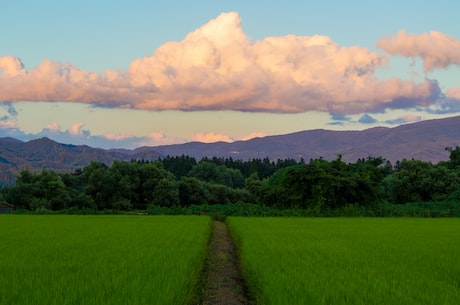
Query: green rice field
[350, 260]
[99, 260]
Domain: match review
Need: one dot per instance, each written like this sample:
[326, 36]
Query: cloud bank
[77, 134]
[217, 67]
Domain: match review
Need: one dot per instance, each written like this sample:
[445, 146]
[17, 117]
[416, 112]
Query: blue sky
[132, 73]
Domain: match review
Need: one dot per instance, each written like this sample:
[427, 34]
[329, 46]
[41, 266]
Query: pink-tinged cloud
[8, 124]
[449, 104]
[217, 67]
[76, 129]
[253, 135]
[53, 127]
[156, 138]
[211, 137]
[409, 118]
[436, 49]
[453, 93]
[117, 136]
[11, 66]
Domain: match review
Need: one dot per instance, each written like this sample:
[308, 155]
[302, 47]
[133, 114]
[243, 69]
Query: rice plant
[350, 260]
[100, 259]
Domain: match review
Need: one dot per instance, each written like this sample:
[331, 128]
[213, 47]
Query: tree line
[182, 181]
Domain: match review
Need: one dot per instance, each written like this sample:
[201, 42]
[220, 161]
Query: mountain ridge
[425, 140]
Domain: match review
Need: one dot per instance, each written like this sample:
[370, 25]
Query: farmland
[100, 259]
[350, 260]
[64, 259]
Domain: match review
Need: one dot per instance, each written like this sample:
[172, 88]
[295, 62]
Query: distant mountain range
[425, 140]
[44, 153]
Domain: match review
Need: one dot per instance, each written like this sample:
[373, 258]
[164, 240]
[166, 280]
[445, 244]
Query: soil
[223, 283]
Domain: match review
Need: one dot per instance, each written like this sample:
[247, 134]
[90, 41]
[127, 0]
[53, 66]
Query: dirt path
[223, 282]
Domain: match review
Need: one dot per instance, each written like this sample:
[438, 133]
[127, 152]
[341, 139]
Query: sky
[125, 74]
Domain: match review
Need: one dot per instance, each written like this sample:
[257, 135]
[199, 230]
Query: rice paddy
[63, 259]
[101, 259]
[350, 260]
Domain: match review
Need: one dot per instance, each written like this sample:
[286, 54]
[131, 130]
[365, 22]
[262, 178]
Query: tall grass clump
[64, 259]
[350, 260]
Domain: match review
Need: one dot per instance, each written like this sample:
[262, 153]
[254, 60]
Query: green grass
[350, 260]
[100, 259]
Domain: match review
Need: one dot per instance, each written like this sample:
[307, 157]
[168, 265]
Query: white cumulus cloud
[217, 67]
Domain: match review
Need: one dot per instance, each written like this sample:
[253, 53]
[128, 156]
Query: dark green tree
[166, 193]
[454, 157]
[192, 191]
[321, 184]
[179, 165]
[416, 181]
[218, 174]
[24, 191]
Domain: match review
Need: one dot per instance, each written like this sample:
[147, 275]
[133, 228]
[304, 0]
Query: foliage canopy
[285, 184]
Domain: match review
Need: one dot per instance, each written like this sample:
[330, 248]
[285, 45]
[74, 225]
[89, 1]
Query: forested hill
[424, 141]
[44, 153]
